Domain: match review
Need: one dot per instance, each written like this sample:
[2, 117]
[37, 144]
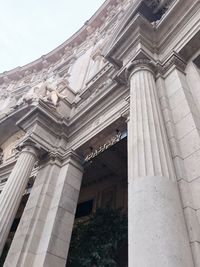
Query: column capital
[32, 147]
[29, 148]
[138, 65]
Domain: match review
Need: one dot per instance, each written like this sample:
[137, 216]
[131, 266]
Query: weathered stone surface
[73, 99]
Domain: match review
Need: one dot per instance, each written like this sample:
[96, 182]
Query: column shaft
[12, 193]
[157, 232]
[43, 235]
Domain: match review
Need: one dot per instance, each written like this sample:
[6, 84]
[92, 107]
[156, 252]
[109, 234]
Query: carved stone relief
[49, 92]
[8, 147]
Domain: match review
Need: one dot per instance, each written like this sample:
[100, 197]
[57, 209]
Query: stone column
[43, 236]
[12, 193]
[157, 231]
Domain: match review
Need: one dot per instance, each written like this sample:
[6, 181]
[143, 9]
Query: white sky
[32, 28]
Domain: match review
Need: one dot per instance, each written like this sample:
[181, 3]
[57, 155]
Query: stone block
[45, 201]
[53, 261]
[58, 247]
[192, 166]
[164, 102]
[174, 148]
[167, 115]
[12, 260]
[74, 171]
[63, 229]
[185, 126]
[67, 190]
[170, 129]
[196, 253]
[185, 193]
[32, 202]
[195, 189]
[17, 244]
[28, 259]
[173, 75]
[190, 143]
[176, 98]
[192, 224]
[179, 168]
[34, 243]
[173, 86]
[68, 204]
[74, 181]
[42, 213]
[180, 111]
[61, 214]
[27, 214]
[198, 214]
[70, 192]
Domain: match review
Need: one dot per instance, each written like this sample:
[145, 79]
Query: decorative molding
[173, 61]
[115, 139]
[138, 63]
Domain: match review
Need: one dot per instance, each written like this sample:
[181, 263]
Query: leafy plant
[101, 241]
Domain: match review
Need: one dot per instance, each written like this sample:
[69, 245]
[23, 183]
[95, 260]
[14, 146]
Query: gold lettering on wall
[103, 147]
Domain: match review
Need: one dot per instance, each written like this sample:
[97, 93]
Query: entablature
[171, 32]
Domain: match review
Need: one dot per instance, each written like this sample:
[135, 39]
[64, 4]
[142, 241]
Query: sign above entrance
[115, 139]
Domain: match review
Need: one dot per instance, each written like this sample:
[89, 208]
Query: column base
[157, 231]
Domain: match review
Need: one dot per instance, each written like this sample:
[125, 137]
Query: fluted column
[157, 231]
[12, 192]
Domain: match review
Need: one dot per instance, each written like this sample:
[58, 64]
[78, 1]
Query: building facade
[114, 112]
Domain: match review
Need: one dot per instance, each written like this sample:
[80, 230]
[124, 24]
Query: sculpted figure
[28, 98]
[50, 92]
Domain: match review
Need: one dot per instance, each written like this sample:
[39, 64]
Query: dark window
[150, 12]
[84, 208]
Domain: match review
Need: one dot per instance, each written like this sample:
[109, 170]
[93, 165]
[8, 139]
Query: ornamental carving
[174, 60]
[139, 63]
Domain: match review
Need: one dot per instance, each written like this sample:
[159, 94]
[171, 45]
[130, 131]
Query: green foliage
[101, 241]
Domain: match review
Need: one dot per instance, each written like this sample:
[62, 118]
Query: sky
[32, 28]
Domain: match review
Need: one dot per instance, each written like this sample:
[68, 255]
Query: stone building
[114, 112]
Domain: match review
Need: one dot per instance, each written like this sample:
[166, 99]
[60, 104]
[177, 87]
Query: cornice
[174, 24]
[97, 85]
[137, 30]
[109, 109]
[46, 111]
[91, 105]
[44, 126]
[174, 61]
[143, 60]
